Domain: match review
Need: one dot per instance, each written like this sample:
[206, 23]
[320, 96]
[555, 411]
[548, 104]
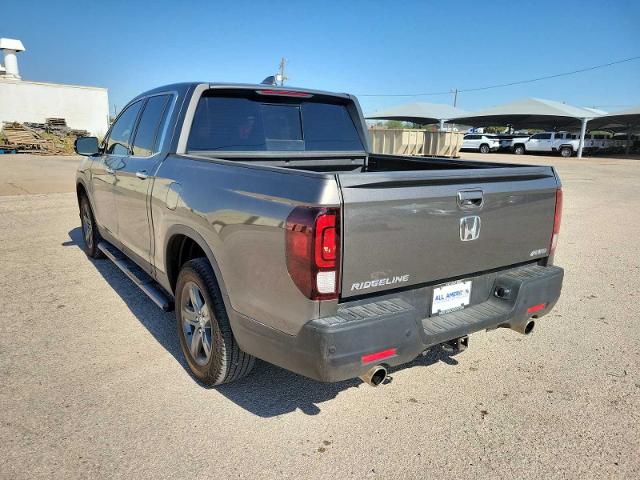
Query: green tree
[394, 124]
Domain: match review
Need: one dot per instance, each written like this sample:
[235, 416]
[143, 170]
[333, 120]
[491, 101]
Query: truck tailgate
[405, 228]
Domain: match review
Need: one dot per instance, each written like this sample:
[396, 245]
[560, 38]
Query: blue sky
[362, 47]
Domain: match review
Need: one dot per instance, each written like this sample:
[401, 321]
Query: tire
[566, 152]
[202, 318]
[519, 150]
[90, 233]
[484, 148]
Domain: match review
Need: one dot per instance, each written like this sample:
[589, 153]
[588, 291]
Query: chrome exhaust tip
[375, 375]
[524, 328]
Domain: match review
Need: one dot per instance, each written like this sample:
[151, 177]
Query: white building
[84, 108]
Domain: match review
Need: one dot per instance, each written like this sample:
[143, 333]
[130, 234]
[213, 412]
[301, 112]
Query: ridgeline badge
[380, 282]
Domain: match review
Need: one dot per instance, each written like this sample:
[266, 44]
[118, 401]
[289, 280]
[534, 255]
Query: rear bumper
[331, 349]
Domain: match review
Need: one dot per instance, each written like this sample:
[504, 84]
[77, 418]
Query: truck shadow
[268, 390]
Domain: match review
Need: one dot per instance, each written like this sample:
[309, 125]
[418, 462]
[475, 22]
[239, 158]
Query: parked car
[481, 142]
[261, 216]
[620, 142]
[564, 143]
[508, 140]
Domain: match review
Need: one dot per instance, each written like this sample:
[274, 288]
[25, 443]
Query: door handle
[470, 198]
[142, 174]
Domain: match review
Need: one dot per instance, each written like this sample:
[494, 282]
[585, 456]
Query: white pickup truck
[553, 142]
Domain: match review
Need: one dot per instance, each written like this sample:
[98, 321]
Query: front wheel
[518, 150]
[566, 152]
[90, 232]
[205, 334]
[484, 148]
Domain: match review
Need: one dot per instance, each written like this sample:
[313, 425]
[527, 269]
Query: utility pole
[455, 96]
[281, 75]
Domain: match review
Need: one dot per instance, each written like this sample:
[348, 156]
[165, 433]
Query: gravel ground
[93, 384]
[25, 174]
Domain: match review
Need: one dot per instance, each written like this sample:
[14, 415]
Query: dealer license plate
[450, 297]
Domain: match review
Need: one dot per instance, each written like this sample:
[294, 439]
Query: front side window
[144, 144]
[118, 143]
[252, 124]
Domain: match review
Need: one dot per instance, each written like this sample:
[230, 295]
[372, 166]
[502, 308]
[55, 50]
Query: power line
[500, 85]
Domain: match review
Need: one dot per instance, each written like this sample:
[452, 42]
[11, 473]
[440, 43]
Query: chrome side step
[141, 278]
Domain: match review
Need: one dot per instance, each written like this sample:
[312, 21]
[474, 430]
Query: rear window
[243, 124]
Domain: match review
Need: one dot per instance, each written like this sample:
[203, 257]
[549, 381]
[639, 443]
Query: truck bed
[402, 216]
[361, 163]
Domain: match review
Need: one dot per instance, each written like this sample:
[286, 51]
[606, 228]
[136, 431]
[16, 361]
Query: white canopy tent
[624, 121]
[533, 113]
[619, 120]
[420, 112]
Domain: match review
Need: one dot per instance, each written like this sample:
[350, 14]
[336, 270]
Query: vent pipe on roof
[9, 48]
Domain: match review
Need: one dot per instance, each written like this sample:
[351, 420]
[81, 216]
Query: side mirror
[86, 146]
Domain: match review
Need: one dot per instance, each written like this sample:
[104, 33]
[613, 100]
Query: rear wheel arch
[183, 244]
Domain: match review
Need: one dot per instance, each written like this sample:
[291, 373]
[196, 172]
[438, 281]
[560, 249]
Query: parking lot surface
[93, 384]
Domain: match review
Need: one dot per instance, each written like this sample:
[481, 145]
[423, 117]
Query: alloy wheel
[196, 323]
[87, 225]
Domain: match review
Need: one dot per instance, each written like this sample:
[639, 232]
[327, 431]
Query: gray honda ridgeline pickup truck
[261, 215]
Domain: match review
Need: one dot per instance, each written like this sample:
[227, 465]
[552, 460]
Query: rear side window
[542, 136]
[145, 143]
[120, 136]
[247, 124]
[329, 127]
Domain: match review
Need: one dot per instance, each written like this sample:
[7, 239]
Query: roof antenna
[279, 78]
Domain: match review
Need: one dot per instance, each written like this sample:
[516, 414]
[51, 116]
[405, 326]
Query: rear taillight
[556, 222]
[313, 251]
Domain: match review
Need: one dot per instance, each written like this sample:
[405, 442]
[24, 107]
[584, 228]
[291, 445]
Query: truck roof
[186, 86]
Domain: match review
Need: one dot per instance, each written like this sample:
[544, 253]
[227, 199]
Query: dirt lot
[27, 174]
[93, 383]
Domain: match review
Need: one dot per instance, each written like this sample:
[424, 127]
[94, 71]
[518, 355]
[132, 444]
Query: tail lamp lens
[556, 222]
[312, 248]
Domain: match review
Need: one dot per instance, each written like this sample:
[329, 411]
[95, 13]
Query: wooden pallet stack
[51, 138]
[56, 123]
[23, 139]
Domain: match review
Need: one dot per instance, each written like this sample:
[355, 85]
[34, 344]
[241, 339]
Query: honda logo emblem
[469, 228]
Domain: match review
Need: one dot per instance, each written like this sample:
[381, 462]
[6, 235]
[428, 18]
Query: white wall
[85, 108]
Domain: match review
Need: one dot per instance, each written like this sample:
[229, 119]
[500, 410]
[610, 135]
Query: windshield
[243, 124]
